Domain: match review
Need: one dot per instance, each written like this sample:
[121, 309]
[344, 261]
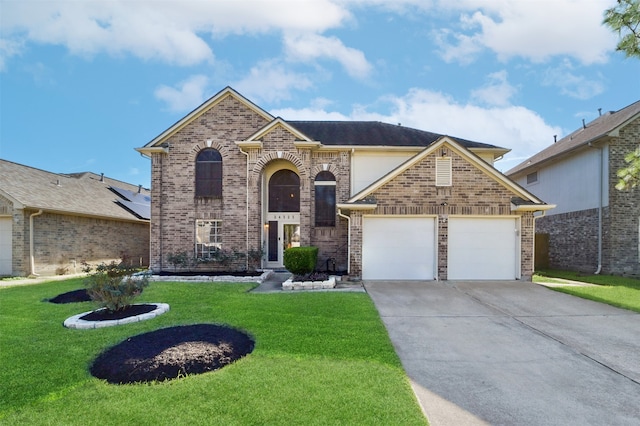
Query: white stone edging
[216, 278]
[76, 322]
[289, 284]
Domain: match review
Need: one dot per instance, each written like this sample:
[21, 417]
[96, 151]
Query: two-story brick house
[380, 201]
[594, 227]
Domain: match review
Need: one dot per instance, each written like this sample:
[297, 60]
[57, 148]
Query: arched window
[209, 173]
[284, 192]
[325, 187]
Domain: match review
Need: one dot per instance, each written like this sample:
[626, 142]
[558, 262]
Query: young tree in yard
[624, 18]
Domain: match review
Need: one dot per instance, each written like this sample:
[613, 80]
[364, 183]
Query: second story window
[209, 173]
[325, 187]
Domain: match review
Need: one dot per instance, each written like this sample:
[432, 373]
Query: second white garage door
[398, 248]
[483, 249]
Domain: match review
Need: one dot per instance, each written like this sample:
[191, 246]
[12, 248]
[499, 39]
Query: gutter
[31, 255]
[348, 240]
[600, 202]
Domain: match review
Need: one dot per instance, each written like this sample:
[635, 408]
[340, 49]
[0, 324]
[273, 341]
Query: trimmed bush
[114, 286]
[300, 260]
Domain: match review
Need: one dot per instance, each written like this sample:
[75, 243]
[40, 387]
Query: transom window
[325, 188]
[208, 238]
[284, 191]
[209, 173]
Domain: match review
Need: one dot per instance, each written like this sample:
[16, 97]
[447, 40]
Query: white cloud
[531, 29]
[168, 31]
[497, 92]
[189, 94]
[571, 84]
[271, 81]
[308, 47]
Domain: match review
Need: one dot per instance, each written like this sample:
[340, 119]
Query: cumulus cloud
[496, 92]
[189, 94]
[529, 29]
[572, 84]
[271, 81]
[309, 47]
[171, 32]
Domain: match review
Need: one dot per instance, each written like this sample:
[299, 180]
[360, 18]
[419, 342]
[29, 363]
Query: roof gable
[255, 140]
[607, 125]
[474, 160]
[204, 107]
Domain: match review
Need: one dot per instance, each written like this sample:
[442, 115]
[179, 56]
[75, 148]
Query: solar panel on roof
[137, 203]
[143, 211]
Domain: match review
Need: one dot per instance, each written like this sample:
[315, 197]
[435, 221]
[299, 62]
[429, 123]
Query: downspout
[31, 255]
[348, 240]
[600, 202]
[246, 259]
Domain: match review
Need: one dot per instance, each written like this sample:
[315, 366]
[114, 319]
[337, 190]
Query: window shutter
[443, 171]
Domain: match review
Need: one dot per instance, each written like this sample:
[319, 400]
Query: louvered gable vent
[443, 171]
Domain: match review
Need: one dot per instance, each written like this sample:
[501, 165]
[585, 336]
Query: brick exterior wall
[472, 193]
[175, 208]
[573, 237]
[62, 242]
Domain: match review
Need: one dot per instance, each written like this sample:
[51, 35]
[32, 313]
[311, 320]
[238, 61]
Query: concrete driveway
[513, 353]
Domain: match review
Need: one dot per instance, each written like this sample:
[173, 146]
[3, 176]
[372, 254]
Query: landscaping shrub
[113, 286]
[300, 260]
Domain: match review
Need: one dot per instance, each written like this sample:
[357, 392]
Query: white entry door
[483, 248]
[5, 246]
[398, 248]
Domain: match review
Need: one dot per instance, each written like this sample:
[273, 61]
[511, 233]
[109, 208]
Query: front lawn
[319, 358]
[617, 291]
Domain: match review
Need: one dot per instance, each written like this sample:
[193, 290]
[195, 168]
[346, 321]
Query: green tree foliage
[624, 18]
[630, 175]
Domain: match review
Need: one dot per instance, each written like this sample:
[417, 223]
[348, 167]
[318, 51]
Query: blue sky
[83, 83]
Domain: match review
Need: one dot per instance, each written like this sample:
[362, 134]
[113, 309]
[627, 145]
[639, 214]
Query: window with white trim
[208, 238]
[443, 171]
[532, 178]
[325, 198]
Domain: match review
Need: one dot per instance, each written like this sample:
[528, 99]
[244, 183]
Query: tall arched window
[209, 173]
[325, 187]
[284, 191]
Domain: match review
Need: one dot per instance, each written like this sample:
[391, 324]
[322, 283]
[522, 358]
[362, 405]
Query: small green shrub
[114, 286]
[300, 260]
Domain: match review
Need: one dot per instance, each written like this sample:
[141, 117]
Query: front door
[283, 233]
[283, 215]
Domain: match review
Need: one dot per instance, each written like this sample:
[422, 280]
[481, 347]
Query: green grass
[614, 290]
[319, 359]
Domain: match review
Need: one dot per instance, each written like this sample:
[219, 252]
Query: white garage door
[483, 249]
[5, 246]
[398, 248]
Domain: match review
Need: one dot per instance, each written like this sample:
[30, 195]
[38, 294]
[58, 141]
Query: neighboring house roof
[522, 200]
[83, 194]
[606, 125]
[327, 133]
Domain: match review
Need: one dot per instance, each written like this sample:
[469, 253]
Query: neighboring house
[50, 223]
[594, 227]
[380, 201]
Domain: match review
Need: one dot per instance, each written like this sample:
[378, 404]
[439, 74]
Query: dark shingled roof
[373, 133]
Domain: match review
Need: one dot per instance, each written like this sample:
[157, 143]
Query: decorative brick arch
[321, 168]
[263, 161]
[203, 145]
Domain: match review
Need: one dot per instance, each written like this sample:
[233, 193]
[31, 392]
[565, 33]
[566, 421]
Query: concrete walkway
[513, 353]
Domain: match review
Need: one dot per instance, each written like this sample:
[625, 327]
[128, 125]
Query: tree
[624, 18]
[630, 175]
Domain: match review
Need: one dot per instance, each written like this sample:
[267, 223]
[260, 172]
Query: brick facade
[228, 124]
[573, 237]
[62, 243]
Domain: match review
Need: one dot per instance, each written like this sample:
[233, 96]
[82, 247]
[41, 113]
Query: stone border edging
[217, 278]
[309, 285]
[77, 323]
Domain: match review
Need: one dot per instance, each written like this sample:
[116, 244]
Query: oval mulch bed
[74, 296]
[129, 311]
[169, 353]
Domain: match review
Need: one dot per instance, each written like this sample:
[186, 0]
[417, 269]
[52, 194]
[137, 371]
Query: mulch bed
[129, 311]
[74, 296]
[170, 353]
